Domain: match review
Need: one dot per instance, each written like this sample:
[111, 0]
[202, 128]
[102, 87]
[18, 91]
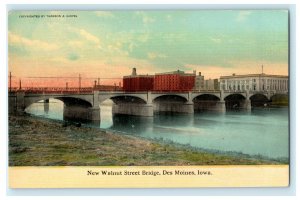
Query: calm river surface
[260, 132]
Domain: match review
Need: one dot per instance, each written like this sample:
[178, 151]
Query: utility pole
[79, 82]
[98, 81]
[9, 81]
[262, 69]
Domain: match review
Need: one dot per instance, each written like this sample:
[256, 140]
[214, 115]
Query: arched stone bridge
[85, 106]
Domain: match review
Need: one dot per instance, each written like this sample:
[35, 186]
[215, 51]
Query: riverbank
[41, 142]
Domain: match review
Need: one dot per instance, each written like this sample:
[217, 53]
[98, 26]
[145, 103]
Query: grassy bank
[40, 142]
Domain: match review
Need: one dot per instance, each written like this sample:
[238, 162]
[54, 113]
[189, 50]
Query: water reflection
[260, 132]
[131, 124]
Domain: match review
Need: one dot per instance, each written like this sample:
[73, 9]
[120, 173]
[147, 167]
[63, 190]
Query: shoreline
[36, 141]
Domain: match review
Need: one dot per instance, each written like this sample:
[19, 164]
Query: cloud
[153, 55]
[242, 15]
[88, 36]
[14, 39]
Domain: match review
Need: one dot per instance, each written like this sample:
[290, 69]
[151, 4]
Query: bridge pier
[46, 105]
[187, 108]
[220, 106]
[12, 105]
[206, 105]
[174, 107]
[83, 113]
[20, 103]
[246, 105]
[89, 114]
[137, 109]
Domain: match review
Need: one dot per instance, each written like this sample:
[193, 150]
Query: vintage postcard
[148, 99]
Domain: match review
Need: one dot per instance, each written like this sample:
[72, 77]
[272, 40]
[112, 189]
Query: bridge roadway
[85, 105]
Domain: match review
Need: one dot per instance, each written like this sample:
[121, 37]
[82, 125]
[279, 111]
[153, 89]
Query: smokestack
[133, 71]
[199, 73]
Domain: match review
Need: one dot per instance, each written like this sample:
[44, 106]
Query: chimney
[233, 74]
[133, 71]
[199, 73]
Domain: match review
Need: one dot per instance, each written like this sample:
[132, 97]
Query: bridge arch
[170, 98]
[229, 95]
[234, 101]
[259, 100]
[206, 102]
[127, 99]
[75, 108]
[279, 100]
[127, 103]
[68, 101]
[43, 104]
[139, 98]
[172, 103]
[206, 97]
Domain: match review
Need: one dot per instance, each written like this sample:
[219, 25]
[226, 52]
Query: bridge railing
[234, 91]
[212, 91]
[51, 90]
[256, 91]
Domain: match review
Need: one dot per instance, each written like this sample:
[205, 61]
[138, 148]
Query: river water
[262, 132]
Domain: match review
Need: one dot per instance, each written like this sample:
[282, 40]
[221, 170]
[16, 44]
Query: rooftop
[142, 75]
[254, 75]
[176, 72]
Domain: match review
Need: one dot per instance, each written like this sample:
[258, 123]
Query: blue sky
[110, 43]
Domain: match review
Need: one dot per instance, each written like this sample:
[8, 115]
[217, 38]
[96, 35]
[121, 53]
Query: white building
[211, 84]
[255, 82]
[199, 82]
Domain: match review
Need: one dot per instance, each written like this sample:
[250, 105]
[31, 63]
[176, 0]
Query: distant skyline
[110, 43]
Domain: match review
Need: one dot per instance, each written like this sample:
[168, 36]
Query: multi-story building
[256, 82]
[134, 82]
[211, 84]
[174, 81]
[199, 82]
